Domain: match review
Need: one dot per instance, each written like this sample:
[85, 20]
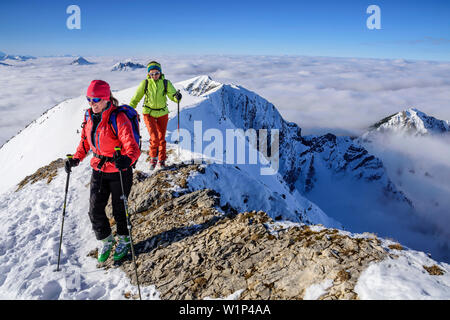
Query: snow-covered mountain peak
[200, 85]
[411, 121]
[127, 65]
[80, 61]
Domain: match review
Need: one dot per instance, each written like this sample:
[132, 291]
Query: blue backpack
[131, 113]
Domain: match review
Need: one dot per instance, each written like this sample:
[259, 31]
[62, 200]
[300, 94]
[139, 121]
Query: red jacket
[106, 140]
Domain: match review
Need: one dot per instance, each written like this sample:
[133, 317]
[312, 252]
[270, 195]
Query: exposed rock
[434, 270]
[189, 248]
[47, 172]
[201, 85]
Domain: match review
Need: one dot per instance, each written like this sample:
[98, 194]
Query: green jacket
[155, 102]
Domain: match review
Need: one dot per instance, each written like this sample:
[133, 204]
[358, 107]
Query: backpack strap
[146, 85]
[83, 124]
[165, 86]
[86, 118]
[113, 121]
[113, 125]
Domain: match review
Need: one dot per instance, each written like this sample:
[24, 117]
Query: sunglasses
[94, 100]
[154, 73]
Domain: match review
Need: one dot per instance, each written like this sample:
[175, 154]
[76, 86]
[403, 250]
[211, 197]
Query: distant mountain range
[4, 56]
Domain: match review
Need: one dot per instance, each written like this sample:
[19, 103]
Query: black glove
[70, 162]
[178, 95]
[122, 162]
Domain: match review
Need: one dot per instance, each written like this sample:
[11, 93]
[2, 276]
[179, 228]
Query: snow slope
[404, 278]
[29, 242]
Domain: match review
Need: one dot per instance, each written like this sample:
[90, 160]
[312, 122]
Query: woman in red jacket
[98, 135]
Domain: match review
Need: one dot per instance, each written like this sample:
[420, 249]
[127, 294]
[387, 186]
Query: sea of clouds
[321, 94]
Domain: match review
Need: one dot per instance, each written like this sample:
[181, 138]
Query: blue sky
[409, 29]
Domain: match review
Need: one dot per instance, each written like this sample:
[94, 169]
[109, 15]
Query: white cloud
[419, 167]
[332, 94]
[32, 87]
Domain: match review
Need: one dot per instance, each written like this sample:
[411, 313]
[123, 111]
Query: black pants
[102, 185]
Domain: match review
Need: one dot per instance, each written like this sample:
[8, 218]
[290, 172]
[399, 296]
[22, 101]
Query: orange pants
[157, 129]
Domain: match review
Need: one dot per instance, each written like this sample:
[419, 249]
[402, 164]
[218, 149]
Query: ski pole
[178, 119]
[69, 156]
[125, 203]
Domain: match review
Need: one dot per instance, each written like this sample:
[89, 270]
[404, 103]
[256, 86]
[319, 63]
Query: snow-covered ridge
[411, 121]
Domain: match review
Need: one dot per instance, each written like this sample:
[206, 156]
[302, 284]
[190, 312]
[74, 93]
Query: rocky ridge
[190, 248]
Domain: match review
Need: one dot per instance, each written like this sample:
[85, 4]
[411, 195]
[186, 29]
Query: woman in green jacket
[156, 114]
